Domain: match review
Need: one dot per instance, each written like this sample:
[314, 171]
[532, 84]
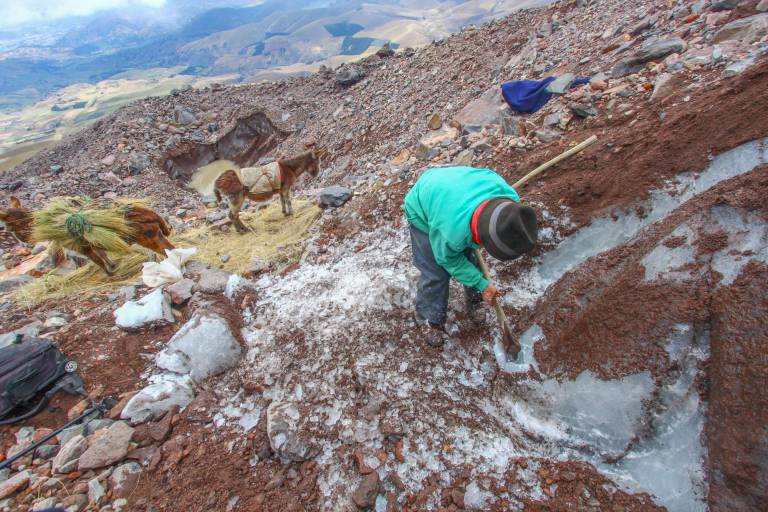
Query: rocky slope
[641, 385]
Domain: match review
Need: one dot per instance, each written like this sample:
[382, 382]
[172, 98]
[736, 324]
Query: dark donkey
[261, 183]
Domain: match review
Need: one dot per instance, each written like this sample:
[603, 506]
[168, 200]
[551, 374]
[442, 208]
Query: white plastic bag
[169, 270]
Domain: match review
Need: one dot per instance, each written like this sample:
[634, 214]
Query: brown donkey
[261, 183]
[144, 227]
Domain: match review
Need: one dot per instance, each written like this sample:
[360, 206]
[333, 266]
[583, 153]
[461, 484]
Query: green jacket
[441, 204]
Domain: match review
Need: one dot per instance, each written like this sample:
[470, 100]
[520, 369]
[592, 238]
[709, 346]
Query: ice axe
[510, 344]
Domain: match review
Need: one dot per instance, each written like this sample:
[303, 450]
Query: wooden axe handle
[544, 167]
[484, 269]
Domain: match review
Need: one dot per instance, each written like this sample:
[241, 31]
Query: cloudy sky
[18, 12]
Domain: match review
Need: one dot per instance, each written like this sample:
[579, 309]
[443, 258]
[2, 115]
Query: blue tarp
[530, 95]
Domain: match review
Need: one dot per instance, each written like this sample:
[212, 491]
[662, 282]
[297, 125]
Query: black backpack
[32, 370]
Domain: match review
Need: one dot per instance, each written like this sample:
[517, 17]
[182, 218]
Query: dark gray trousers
[432, 295]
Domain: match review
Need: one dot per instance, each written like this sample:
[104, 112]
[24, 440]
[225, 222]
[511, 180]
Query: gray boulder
[748, 29]
[183, 116]
[656, 51]
[31, 330]
[334, 196]
[203, 347]
[137, 162]
[348, 75]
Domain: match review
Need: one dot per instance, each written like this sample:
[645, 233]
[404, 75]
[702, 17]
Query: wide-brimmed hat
[507, 229]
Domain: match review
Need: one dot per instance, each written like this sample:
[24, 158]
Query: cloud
[20, 12]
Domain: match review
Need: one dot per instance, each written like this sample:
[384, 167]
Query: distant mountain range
[205, 38]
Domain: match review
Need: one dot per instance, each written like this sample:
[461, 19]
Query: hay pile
[89, 278]
[273, 237]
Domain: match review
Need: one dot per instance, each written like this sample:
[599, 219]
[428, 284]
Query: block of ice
[204, 346]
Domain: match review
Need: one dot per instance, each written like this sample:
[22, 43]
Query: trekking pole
[101, 406]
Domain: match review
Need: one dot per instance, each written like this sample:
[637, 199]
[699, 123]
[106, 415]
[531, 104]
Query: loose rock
[334, 196]
[107, 447]
[365, 494]
[67, 459]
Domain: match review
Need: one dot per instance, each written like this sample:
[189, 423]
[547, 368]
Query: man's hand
[490, 293]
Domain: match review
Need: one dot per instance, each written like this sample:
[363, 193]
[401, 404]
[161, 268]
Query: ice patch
[666, 262]
[595, 412]
[476, 498]
[525, 359]
[604, 234]
[747, 235]
[747, 241]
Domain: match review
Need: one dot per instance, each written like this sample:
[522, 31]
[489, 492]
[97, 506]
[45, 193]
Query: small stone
[96, 492]
[225, 258]
[546, 136]
[738, 68]
[257, 266]
[724, 5]
[68, 433]
[44, 504]
[213, 280]
[124, 479]
[435, 122]
[46, 451]
[180, 291]
[75, 502]
[97, 424]
[598, 85]
[16, 483]
[78, 409]
[11, 283]
[156, 399]
[553, 119]
[137, 162]
[762, 6]
[749, 29]
[365, 494]
[663, 87]
[215, 216]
